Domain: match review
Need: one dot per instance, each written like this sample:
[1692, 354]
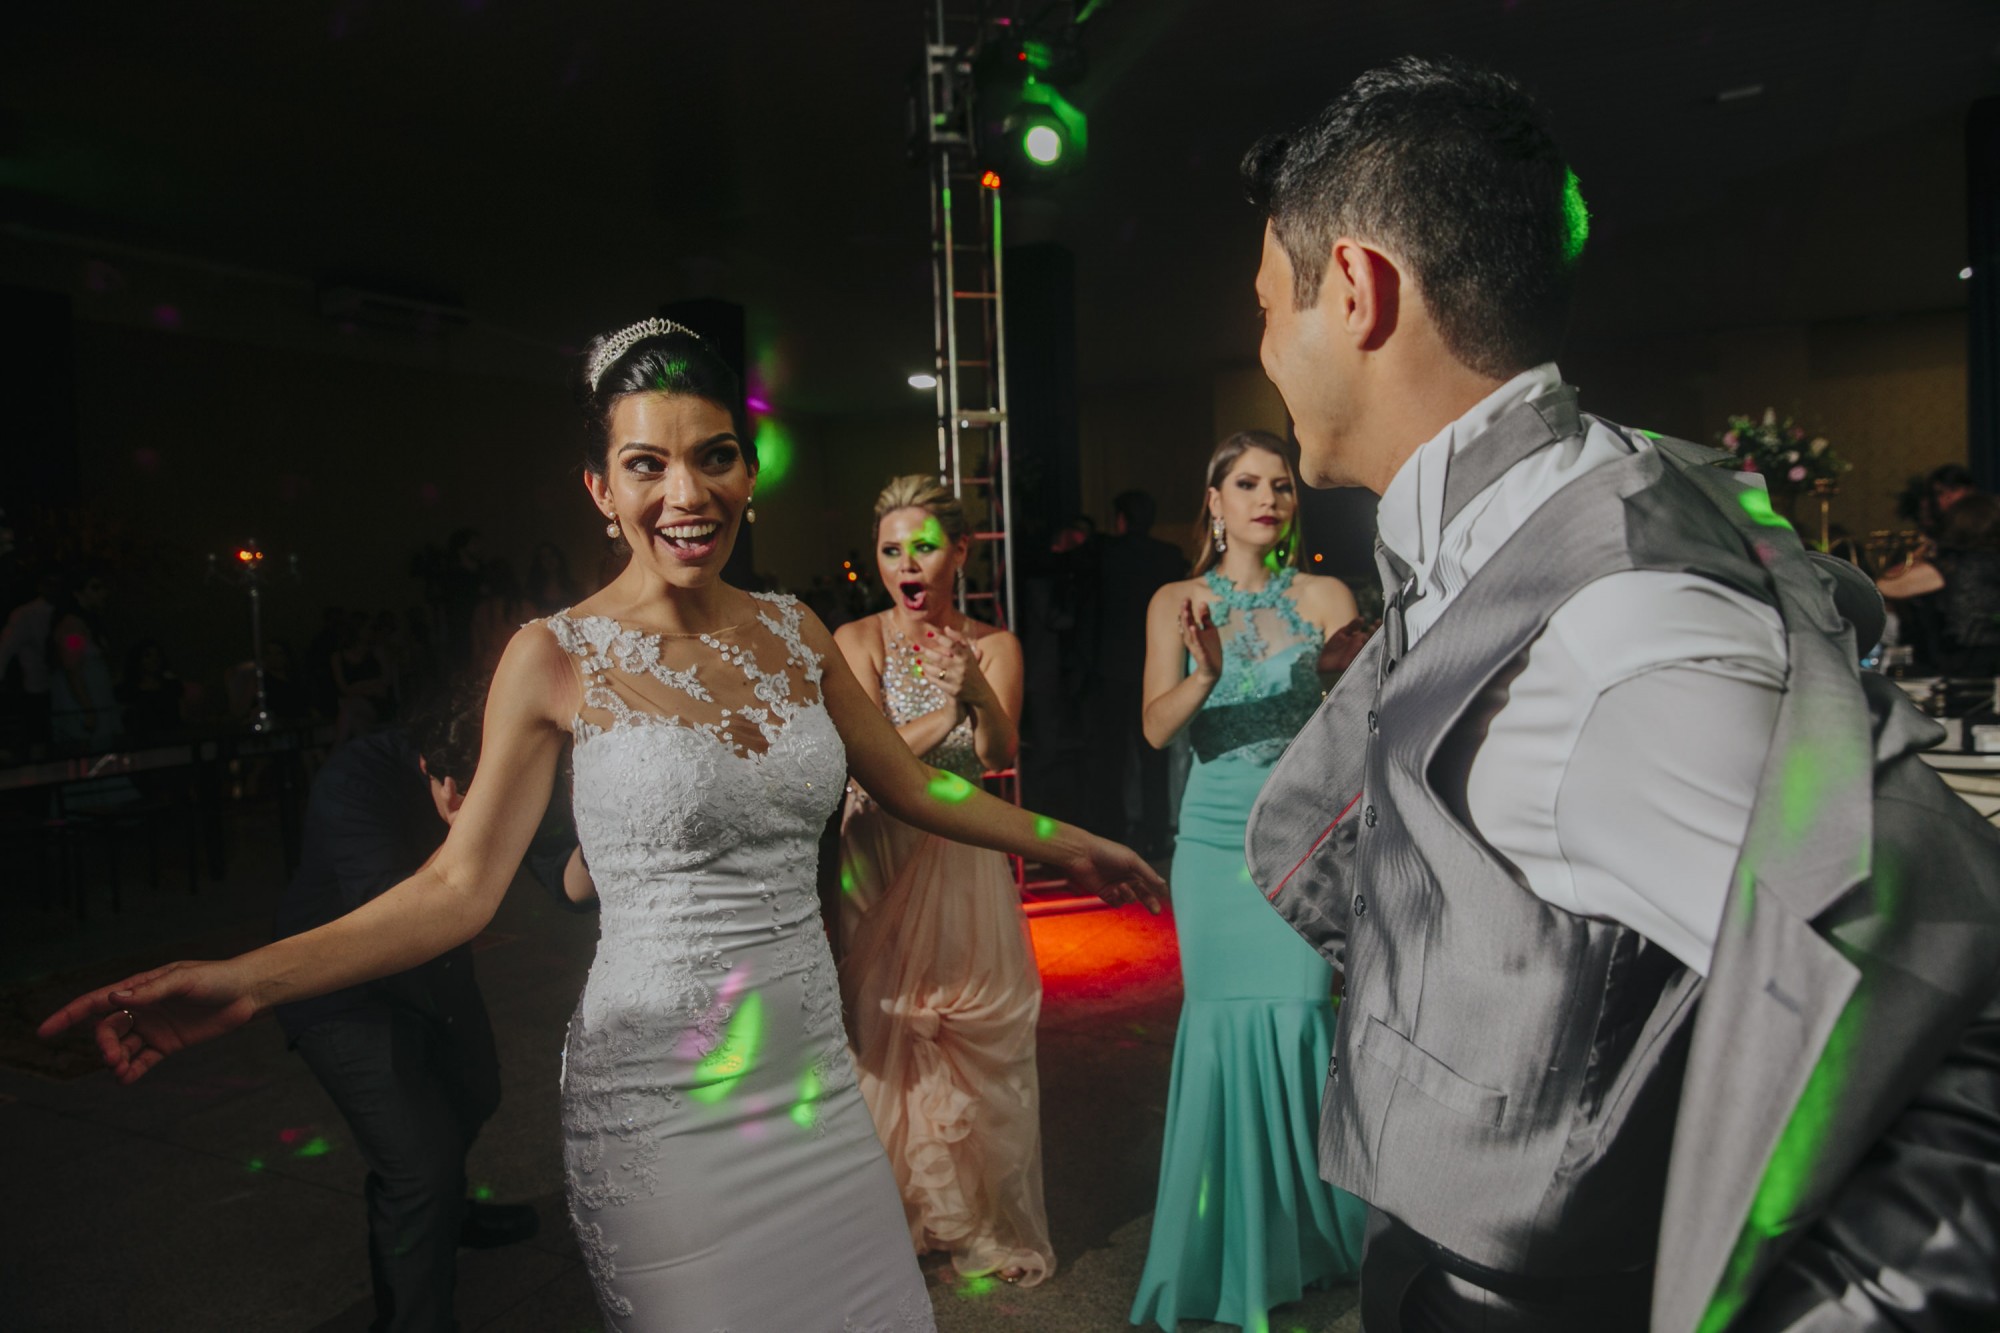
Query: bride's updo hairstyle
[654, 356]
[920, 490]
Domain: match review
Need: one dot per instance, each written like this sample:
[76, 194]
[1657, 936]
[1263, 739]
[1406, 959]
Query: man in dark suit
[1132, 566]
[408, 1060]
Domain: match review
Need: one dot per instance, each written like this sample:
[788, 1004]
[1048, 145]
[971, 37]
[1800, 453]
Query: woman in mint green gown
[1243, 1222]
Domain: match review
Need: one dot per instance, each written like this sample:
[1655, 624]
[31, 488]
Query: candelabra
[245, 568]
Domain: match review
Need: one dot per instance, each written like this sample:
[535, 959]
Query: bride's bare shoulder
[537, 675]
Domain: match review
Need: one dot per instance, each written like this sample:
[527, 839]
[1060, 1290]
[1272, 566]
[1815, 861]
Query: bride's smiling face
[677, 481]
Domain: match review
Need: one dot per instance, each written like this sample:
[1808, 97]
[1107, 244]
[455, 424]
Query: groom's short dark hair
[1453, 169]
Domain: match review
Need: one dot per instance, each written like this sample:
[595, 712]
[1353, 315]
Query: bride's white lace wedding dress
[723, 1173]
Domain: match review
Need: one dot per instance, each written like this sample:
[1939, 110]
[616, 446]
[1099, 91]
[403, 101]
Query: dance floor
[224, 1193]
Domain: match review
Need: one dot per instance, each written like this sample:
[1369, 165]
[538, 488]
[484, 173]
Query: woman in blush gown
[940, 977]
[721, 1167]
[1234, 657]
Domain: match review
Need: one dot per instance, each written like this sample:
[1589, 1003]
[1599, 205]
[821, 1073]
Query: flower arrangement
[1778, 448]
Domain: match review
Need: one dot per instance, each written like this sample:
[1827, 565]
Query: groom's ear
[1366, 287]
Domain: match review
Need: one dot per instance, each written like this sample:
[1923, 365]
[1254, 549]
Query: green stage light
[1042, 144]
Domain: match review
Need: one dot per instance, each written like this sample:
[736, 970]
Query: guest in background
[360, 681]
[500, 611]
[1132, 566]
[285, 694]
[940, 976]
[83, 703]
[1234, 657]
[549, 587]
[1960, 585]
[408, 1060]
[24, 658]
[154, 698]
[458, 583]
[1948, 485]
[325, 642]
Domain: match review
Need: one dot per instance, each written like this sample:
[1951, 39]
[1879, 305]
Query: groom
[1672, 976]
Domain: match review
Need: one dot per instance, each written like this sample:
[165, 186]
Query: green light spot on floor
[255, 1164]
[734, 1055]
[1044, 827]
[973, 1288]
[482, 1193]
[314, 1147]
[949, 788]
[1757, 504]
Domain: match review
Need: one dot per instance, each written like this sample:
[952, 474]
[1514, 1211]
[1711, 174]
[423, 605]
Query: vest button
[1368, 816]
[1360, 905]
[1373, 722]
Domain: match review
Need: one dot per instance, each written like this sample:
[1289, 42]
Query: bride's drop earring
[1218, 534]
[613, 531]
[750, 510]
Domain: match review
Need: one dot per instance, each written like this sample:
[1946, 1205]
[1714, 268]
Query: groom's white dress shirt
[1617, 778]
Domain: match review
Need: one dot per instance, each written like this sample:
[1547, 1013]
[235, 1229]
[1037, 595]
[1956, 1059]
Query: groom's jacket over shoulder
[1807, 1139]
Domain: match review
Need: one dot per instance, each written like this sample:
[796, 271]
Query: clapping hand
[949, 662]
[1118, 875]
[1343, 646]
[146, 1018]
[1202, 639]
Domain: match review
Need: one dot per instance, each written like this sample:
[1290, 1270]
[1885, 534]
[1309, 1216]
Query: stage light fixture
[1028, 131]
[923, 381]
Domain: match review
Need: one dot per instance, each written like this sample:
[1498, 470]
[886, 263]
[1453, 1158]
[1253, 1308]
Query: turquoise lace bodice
[1270, 680]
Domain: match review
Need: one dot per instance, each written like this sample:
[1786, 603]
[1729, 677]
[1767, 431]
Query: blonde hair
[1224, 458]
[921, 490]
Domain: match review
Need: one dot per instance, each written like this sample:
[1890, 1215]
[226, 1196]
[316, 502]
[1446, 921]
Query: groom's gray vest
[1506, 1076]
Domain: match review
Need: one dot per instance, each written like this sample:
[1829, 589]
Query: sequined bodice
[1270, 679]
[907, 694]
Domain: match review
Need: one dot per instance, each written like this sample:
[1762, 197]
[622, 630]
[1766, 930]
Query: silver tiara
[625, 340]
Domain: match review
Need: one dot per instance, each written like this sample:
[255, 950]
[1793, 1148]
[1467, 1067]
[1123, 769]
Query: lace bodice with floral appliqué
[1270, 683]
[705, 768]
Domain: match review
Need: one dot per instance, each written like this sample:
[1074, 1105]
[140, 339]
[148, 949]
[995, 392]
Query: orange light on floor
[991, 180]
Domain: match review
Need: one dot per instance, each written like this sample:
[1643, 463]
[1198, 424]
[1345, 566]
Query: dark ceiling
[557, 168]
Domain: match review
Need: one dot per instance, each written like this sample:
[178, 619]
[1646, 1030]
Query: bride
[720, 1163]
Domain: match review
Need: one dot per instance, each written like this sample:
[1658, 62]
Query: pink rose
[1729, 440]
[1749, 465]
[1798, 473]
[1798, 432]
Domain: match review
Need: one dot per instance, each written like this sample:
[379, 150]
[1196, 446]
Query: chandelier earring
[613, 531]
[1218, 535]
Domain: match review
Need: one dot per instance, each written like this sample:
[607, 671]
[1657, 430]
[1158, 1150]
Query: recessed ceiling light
[923, 381]
[1965, 274]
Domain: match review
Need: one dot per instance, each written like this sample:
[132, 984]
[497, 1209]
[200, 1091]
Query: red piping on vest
[1272, 896]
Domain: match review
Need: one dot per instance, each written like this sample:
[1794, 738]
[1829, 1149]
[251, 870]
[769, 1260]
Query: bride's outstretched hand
[1118, 875]
[146, 1018]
